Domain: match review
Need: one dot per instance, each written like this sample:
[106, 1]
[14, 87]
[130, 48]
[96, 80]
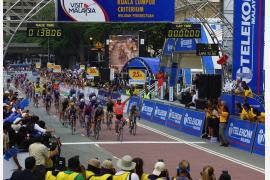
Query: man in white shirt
[193, 101]
[127, 168]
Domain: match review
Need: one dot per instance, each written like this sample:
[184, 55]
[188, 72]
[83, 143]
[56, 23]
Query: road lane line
[130, 142]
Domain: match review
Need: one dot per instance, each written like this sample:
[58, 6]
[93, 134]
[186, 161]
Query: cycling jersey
[81, 105]
[72, 112]
[110, 106]
[119, 108]
[88, 110]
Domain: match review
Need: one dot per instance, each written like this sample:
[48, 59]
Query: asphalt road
[154, 142]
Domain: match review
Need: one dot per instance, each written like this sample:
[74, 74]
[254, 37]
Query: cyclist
[80, 109]
[98, 115]
[134, 113]
[56, 99]
[48, 101]
[64, 108]
[72, 114]
[119, 111]
[8, 83]
[88, 116]
[37, 94]
[110, 105]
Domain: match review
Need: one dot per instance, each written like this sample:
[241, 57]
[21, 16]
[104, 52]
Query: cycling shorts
[119, 117]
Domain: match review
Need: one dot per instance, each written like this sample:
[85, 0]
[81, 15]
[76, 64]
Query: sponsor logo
[83, 10]
[161, 113]
[176, 117]
[241, 134]
[192, 122]
[186, 43]
[248, 12]
[261, 137]
[147, 109]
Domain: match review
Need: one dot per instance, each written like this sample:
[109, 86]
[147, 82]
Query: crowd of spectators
[126, 168]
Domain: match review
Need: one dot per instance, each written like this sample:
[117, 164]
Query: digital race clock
[207, 49]
[43, 30]
[184, 30]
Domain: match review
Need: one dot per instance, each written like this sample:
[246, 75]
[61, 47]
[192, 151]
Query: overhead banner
[115, 10]
[50, 65]
[82, 66]
[56, 68]
[92, 71]
[137, 76]
[249, 42]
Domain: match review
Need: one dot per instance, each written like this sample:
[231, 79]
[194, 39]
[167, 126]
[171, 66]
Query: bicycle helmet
[82, 100]
[93, 98]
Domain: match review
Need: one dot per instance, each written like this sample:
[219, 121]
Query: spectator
[139, 169]
[183, 171]
[193, 101]
[60, 166]
[106, 172]
[247, 113]
[260, 116]
[212, 120]
[223, 119]
[127, 168]
[159, 172]
[208, 173]
[247, 90]
[27, 173]
[41, 154]
[147, 94]
[93, 168]
[75, 170]
[225, 176]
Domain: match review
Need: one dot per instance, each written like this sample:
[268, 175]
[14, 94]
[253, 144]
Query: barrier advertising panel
[147, 110]
[259, 144]
[240, 133]
[193, 121]
[133, 101]
[249, 42]
[174, 118]
[160, 114]
[115, 10]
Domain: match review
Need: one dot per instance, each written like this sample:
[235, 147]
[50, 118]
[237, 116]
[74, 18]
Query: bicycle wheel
[121, 134]
[134, 129]
[72, 129]
[97, 129]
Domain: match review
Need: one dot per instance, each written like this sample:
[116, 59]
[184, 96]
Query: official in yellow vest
[247, 113]
[60, 166]
[223, 119]
[127, 168]
[73, 172]
[147, 94]
[106, 172]
[159, 172]
[93, 168]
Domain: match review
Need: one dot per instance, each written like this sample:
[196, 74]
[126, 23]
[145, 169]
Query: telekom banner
[115, 10]
[249, 42]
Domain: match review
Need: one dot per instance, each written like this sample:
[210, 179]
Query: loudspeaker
[209, 86]
[200, 103]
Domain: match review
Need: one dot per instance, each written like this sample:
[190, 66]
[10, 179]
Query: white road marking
[130, 142]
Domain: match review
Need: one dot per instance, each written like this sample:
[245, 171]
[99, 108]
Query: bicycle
[72, 120]
[88, 125]
[36, 101]
[120, 133]
[48, 107]
[109, 120]
[133, 125]
[97, 129]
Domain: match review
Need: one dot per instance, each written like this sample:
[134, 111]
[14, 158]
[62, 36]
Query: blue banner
[185, 45]
[160, 113]
[147, 110]
[249, 43]
[173, 74]
[168, 47]
[252, 102]
[240, 133]
[193, 121]
[133, 101]
[174, 118]
[103, 95]
[115, 10]
[259, 144]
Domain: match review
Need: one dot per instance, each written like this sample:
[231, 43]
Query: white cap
[159, 167]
